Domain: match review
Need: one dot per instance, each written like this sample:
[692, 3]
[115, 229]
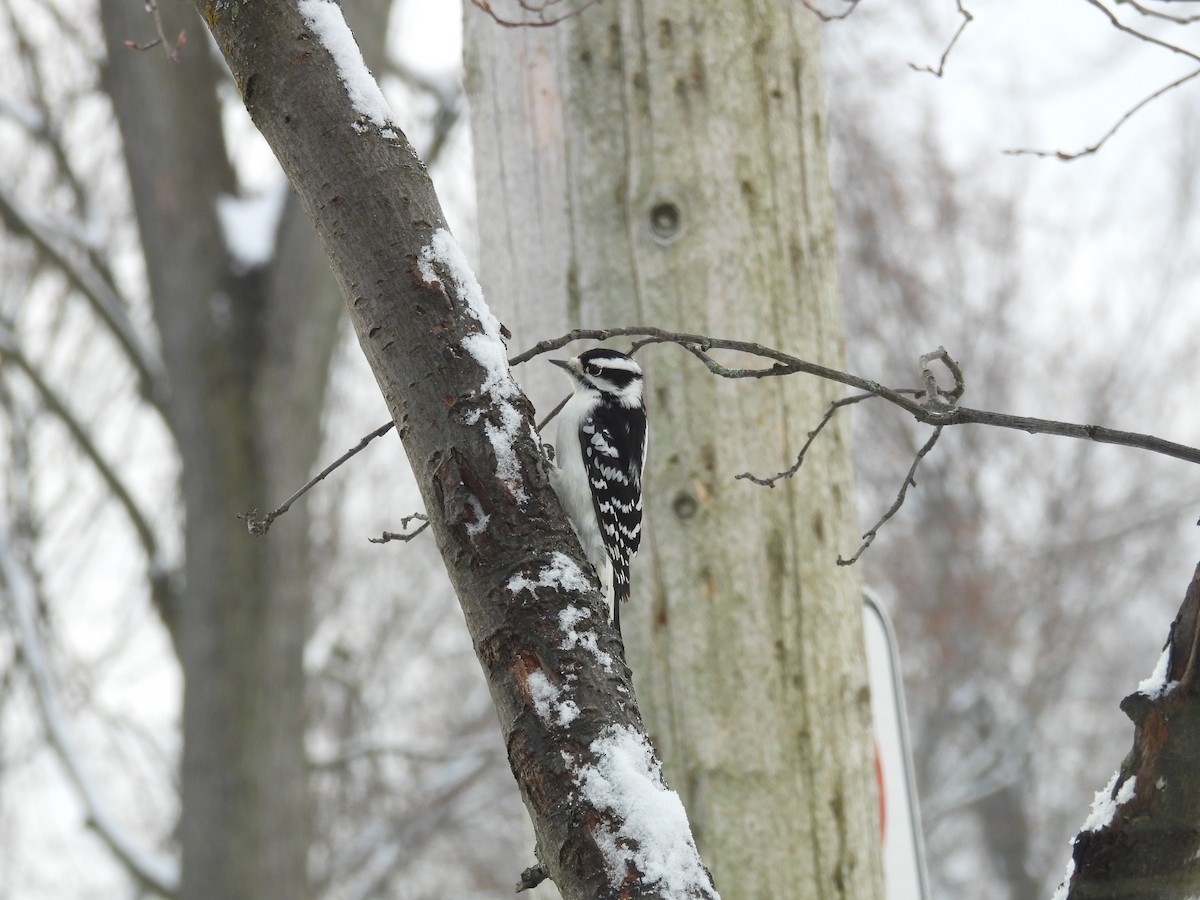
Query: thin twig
[542, 20]
[769, 481]
[172, 50]
[554, 412]
[1087, 151]
[1155, 14]
[909, 481]
[933, 394]
[1148, 38]
[830, 17]
[404, 536]
[941, 68]
[258, 526]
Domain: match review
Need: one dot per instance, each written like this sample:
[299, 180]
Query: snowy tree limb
[564, 699]
[1142, 837]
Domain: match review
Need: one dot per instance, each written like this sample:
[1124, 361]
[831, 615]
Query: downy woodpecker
[600, 453]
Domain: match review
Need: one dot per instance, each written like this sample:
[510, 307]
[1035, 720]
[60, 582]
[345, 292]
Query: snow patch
[481, 518]
[548, 701]
[327, 24]
[626, 780]
[1105, 804]
[568, 621]
[1157, 685]
[561, 573]
[486, 347]
[249, 225]
[1060, 893]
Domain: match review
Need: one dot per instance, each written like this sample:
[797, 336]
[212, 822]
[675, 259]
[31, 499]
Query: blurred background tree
[150, 390]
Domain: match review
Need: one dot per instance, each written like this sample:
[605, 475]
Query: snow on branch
[329, 27]
[625, 779]
[153, 870]
[442, 260]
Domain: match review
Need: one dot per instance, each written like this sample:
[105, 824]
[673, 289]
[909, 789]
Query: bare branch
[156, 873]
[11, 351]
[95, 288]
[258, 526]
[934, 394]
[909, 481]
[540, 20]
[1141, 35]
[769, 481]
[172, 50]
[830, 17]
[405, 536]
[1087, 151]
[1156, 14]
[967, 18]
[786, 364]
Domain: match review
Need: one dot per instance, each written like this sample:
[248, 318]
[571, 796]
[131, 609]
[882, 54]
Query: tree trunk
[1142, 839]
[574, 738]
[247, 356]
[664, 163]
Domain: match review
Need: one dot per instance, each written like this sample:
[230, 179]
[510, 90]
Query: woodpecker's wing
[613, 441]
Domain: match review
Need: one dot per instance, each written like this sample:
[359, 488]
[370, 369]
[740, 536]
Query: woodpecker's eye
[593, 370]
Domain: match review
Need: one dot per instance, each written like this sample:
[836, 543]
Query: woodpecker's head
[605, 373]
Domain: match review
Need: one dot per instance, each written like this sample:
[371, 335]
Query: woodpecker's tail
[620, 594]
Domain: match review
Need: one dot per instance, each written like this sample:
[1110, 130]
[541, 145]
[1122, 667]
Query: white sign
[903, 847]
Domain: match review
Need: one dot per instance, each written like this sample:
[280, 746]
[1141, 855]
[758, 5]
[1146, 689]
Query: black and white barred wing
[613, 452]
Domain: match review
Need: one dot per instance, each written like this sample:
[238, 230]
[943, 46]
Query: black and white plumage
[600, 454]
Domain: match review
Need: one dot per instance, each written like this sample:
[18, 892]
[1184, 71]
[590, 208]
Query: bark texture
[663, 163]
[376, 213]
[1149, 848]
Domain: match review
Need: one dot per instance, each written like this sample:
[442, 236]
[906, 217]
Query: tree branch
[405, 536]
[830, 17]
[770, 480]
[537, 10]
[967, 18]
[1092, 148]
[159, 575]
[152, 871]
[94, 288]
[930, 413]
[1140, 35]
[909, 481]
[258, 526]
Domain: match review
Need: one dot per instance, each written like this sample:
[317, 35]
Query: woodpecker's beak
[561, 363]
